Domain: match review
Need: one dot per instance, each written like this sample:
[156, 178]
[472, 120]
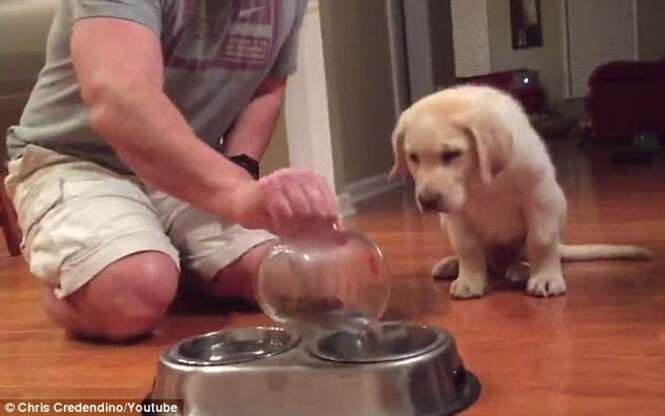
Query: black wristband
[247, 163]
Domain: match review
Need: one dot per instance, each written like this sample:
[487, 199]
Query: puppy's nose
[430, 202]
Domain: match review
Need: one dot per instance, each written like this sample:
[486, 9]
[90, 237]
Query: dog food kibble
[307, 309]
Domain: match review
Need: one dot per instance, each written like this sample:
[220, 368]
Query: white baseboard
[364, 189]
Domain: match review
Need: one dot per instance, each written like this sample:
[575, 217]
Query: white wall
[429, 45]
[341, 103]
[277, 154]
[419, 48]
[361, 95]
[547, 60]
[651, 15]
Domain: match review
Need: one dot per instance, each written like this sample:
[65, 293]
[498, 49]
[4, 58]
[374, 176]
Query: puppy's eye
[414, 158]
[450, 155]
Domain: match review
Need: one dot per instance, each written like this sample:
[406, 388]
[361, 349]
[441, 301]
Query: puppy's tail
[587, 252]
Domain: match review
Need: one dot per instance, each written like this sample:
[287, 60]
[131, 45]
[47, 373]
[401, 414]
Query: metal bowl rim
[171, 356]
[440, 337]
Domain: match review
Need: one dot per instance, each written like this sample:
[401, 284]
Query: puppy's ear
[399, 166]
[494, 144]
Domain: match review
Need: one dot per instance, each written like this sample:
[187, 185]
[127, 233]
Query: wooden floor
[600, 350]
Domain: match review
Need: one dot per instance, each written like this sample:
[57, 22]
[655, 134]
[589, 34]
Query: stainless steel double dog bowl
[407, 371]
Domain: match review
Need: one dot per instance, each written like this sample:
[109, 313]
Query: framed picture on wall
[525, 22]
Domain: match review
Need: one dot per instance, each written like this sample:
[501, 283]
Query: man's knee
[125, 300]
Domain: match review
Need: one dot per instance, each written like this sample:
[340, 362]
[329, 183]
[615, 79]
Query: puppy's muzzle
[431, 202]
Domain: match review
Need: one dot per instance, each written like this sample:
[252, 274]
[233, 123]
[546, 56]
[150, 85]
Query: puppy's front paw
[545, 286]
[463, 288]
[447, 268]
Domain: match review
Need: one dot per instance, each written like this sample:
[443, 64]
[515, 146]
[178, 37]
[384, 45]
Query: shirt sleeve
[145, 12]
[287, 60]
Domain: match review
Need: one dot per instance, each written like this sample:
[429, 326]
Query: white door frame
[306, 107]
[565, 44]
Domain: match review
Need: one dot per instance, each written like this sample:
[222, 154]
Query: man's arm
[120, 71]
[253, 130]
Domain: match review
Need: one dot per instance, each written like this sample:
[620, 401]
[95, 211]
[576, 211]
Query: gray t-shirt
[216, 53]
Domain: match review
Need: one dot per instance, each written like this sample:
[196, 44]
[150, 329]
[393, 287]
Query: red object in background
[523, 84]
[627, 98]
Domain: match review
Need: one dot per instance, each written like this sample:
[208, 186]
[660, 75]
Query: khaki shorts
[78, 217]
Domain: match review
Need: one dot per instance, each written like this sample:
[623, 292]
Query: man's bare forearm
[254, 128]
[153, 138]
[123, 89]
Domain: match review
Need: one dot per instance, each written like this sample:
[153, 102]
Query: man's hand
[289, 202]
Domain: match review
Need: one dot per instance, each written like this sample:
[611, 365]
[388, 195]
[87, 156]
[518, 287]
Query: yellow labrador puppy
[478, 162]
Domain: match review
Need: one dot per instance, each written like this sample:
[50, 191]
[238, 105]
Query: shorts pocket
[96, 210]
[33, 205]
